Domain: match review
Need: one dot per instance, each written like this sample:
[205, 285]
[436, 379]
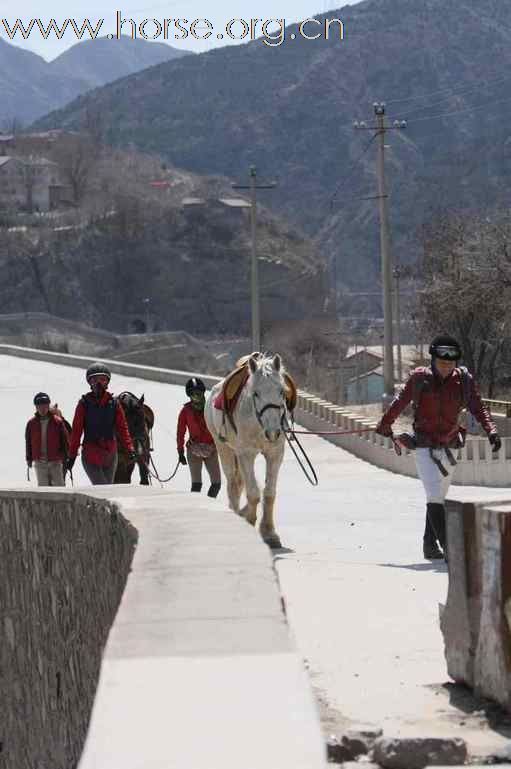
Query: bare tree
[466, 287]
[76, 157]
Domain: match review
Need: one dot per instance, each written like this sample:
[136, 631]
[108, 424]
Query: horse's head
[266, 386]
[135, 417]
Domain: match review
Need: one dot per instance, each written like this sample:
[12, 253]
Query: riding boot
[436, 518]
[196, 486]
[430, 548]
[214, 489]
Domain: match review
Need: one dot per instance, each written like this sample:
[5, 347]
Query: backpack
[420, 382]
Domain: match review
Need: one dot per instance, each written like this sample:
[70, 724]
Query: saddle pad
[234, 382]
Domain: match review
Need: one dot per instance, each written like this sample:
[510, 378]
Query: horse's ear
[142, 399]
[277, 362]
[252, 362]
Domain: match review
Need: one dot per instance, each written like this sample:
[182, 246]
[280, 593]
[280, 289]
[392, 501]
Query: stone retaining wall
[64, 561]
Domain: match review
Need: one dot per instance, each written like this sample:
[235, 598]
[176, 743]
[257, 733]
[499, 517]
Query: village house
[30, 184]
[362, 372]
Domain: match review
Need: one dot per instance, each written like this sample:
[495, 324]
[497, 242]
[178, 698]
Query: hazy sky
[138, 10]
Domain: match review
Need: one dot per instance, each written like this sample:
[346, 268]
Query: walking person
[100, 417]
[439, 393]
[47, 443]
[200, 447]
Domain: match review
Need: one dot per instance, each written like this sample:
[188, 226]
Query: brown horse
[140, 419]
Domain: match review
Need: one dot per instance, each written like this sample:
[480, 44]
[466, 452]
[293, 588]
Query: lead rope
[311, 477]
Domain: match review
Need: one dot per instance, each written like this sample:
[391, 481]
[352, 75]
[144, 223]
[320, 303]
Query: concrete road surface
[361, 601]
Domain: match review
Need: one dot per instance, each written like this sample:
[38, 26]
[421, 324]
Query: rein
[331, 432]
[311, 476]
[156, 474]
[303, 460]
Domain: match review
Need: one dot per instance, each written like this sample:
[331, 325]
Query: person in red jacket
[100, 417]
[439, 394]
[200, 448]
[47, 443]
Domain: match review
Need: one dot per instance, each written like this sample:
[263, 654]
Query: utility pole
[386, 259]
[254, 271]
[397, 277]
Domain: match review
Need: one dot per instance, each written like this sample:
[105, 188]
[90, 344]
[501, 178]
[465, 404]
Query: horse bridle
[259, 414]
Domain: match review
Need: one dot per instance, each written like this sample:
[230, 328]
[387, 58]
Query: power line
[345, 179]
[460, 111]
[449, 90]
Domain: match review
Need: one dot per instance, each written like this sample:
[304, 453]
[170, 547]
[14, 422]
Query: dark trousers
[100, 474]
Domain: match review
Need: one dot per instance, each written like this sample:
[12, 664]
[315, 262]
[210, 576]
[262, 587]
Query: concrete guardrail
[476, 620]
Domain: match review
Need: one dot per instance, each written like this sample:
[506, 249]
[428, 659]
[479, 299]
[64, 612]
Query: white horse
[256, 428]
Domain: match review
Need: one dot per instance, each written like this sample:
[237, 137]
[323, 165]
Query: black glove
[69, 464]
[29, 463]
[182, 458]
[495, 441]
[132, 456]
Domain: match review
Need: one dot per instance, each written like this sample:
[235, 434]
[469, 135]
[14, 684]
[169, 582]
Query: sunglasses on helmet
[99, 379]
[447, 353]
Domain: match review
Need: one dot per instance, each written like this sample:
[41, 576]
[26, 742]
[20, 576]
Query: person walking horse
[100, 417]
[439, 394]
[46, 443]
[200, 448]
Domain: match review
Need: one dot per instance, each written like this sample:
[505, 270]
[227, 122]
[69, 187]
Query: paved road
[362, 602]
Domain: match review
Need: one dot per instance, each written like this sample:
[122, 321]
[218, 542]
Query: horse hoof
[273, 541]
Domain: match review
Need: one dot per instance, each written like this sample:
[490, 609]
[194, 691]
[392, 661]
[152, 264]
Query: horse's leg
[246, 461]
[231, 472]
[144, 474]
[267, 527]
[120, 472]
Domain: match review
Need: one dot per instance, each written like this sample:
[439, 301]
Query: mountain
[441, 64]
[27, 88]
[31, 87]
[100, 61]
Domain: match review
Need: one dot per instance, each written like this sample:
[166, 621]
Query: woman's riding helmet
[41, 398]
[98, 369]
[445, 347]
[194, 385]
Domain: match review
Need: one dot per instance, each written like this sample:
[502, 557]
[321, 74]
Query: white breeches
[435, 484]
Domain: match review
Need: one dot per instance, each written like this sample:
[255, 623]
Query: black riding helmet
[445, 347]
[194, 385]
[98, 369]
[41, 398]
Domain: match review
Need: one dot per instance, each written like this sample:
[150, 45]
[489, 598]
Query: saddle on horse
[234, 383]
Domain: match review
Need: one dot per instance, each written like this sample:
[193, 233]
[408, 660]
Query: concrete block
[416, 753]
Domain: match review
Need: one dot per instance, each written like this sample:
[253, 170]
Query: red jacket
[440, 402]
[57, 440]
[193, 420]
[101, 451]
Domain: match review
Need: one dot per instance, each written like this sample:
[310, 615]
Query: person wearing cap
[46, 443]
[439, 394]
[100, 417]
[200, 448]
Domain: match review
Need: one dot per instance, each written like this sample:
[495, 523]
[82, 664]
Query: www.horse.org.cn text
[272, 32]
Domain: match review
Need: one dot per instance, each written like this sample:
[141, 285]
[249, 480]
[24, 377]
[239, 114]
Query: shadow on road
[279, 553]
[463, 698]
[438, 566]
